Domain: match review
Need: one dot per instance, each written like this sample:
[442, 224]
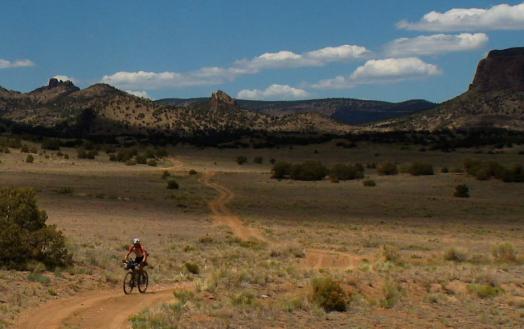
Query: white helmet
[136, 241]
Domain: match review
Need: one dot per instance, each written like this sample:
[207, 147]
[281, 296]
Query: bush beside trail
[484, 170]
[24, 236]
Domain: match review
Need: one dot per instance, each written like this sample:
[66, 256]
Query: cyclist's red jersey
[139, 251]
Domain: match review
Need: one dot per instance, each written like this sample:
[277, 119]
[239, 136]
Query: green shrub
[192, 172]
[241, 160]
[444, 170]
[455, 255]
[130, 162]
[485, 290]
[328, 294]
[346, 172]
[165, 174]
[152, 163]
[24, 236]
[391, 254]
[392, 294]
[486, 170]
[308, 171]
[86, 154]
[281, 170]
[369, 183]
[51, 144]
[387, 169]
[504, 252]
[64, 190]
[172, 184]
[192, 268]
[461, 191]
[66, 156]
[243, 298]
[29, 158]
[420, 169]
[258, 160]
[38, 277]
[141, 159]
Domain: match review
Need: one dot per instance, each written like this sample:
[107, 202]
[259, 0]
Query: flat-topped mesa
[222, 101]
[500, 70]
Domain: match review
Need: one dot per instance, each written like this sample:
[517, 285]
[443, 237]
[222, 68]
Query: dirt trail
[223, 216]
[315, 258]
[108, 309]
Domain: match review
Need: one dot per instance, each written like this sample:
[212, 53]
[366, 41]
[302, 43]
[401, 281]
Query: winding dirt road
[111, 309]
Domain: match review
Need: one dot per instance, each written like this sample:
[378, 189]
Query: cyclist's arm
[145, 255]
[129, 253]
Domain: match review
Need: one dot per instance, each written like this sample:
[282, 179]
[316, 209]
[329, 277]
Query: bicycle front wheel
[143, 281]
[129, 283]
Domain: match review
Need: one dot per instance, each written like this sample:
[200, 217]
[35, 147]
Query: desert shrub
[24, 149]
[461, 191]
[444, 170]
[486, 170]
[165, 174]
[392, 294]
[64, 190]
[29, 158]
[371, 165]
[272, 161]
[328, 294]
[308, 171]
[391, 254]
[172, 184]
[131, 162]
[141, 159]
[258, 160]
[161, 153]
[51, 144]
[66, 156]
[38, 277]
[192, 172]
[124, 155]
[241, 159]
[455, 255]
[420, 169]
[484, 290]
[243, 298]
[387, 168]
[281, 170]
[504, 252]
[86, 154]
[369, 183]
[192, 268]
[346, 172]
[25, 237]
[152, 162]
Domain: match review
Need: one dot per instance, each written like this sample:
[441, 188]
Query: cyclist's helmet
[136, 241]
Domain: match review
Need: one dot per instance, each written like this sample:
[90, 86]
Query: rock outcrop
[222, 101]
[500, 70]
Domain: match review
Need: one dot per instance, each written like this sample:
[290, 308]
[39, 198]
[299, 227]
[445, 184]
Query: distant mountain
[346, 110]
[104, 110]
[495, 99]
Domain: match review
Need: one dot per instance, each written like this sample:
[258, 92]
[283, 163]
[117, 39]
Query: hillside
[495, 99]
[346, 110]
[104, 110]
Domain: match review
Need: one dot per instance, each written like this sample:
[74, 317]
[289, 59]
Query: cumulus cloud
[273, 92]
[436, 44]
[216, 75]
[499, 17]
[138, 93]
[5, 64]
[381, 71]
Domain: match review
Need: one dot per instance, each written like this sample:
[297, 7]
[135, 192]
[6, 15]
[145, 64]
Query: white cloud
[216, 75]
[64, 78]
[138, 93]
[436, 44]
[499, 17]
[5, 64]
[273, 92]
[381, 71]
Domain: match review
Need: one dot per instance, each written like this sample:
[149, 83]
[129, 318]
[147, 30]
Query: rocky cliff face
[222, 101]
[495, 99]
[500, 70]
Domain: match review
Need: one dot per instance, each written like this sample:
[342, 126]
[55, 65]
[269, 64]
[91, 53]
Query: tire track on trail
[108, 309]
[222, 215]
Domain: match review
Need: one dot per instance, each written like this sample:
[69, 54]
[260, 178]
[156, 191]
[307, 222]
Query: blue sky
[387, 50]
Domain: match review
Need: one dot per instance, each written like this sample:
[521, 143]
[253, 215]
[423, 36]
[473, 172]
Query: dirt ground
[259, 242]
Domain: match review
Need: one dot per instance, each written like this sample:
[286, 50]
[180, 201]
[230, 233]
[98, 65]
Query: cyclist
[140, 253]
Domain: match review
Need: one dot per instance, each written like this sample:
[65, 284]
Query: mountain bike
[135, 277]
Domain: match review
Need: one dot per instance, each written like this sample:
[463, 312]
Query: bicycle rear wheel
[129, 283]
[143, 281]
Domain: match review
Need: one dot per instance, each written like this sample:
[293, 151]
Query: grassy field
[406, 253]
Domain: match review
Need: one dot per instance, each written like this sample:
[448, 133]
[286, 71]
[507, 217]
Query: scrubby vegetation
[172, 184]
[328, 294]
[461, 191]
[387, 169]
[24, 236]
[420, 169]
[484, 170]
[241, 159]
[307, 171]
[347, 172]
